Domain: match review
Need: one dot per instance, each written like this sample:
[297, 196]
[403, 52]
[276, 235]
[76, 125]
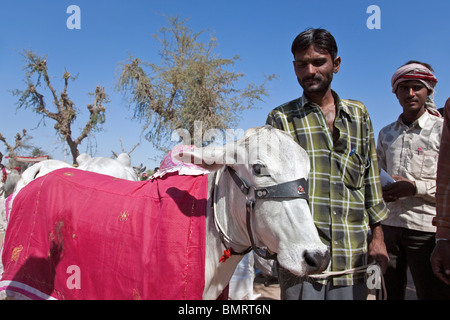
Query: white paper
[385, 178]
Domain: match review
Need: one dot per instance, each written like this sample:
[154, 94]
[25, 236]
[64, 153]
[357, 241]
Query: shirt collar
[342, 107]
[421, 122]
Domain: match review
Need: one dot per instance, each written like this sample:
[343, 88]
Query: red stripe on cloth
[418, 75]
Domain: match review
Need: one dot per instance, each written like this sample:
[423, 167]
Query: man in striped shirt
[440, 258]
[345, 194]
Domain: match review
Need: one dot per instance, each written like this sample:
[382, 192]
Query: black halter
[288, 190]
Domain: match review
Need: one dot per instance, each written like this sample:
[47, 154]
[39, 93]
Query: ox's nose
[316, 260]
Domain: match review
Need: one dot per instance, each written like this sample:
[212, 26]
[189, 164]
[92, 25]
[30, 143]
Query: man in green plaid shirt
[345, 194]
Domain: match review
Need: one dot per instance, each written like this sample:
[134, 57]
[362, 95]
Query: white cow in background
[38, 170]
[120, 168]
[11, 177]
[8, 181]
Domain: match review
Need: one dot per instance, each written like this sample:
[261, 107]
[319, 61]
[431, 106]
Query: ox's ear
[124, 159]
[83, 159]
[209, 158]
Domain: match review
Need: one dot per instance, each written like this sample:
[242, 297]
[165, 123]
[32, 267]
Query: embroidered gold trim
[16, 253]
[124, 215]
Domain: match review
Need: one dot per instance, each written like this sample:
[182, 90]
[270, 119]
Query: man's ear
[336, 64]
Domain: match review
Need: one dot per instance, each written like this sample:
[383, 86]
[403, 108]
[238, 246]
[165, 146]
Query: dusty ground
[271, 292]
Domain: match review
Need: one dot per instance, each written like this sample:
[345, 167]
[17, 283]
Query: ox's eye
[260, 170]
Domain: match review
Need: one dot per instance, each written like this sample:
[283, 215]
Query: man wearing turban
[408, 150]
[422, 73]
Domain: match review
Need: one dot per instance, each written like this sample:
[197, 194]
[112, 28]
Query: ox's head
[263, 158]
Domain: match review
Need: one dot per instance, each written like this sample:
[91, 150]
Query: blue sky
[261, 32]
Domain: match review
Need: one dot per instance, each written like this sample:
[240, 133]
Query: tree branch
[41, 108]
[19, 139]
[49, 85]
[96, 111]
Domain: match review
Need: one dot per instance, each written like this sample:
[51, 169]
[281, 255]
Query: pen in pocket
[352, 151]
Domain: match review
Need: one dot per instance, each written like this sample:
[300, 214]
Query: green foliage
[191, 83]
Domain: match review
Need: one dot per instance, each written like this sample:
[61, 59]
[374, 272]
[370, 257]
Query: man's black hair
[320, 38]
[427, 65]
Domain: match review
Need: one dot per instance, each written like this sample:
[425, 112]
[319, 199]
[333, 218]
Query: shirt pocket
[354, 170]
[424, 164]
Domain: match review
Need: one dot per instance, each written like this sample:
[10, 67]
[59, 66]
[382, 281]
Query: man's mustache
[315, 77]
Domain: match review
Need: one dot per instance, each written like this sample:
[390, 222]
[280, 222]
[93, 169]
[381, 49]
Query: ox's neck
[217, 274]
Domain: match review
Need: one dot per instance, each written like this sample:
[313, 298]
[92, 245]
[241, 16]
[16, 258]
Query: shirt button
[334, 213]
[335, 242]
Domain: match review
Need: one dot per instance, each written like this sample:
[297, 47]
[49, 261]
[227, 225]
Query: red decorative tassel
[226, 255]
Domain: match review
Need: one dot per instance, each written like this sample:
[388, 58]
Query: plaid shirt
[344, 186]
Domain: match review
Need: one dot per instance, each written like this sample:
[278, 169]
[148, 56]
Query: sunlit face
[412, 95]
[314, 69]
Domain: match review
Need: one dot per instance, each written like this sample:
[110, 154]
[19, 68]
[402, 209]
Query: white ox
[284, 226]
[263, 158]
[10, 178]
[38, 170]
[119, 168]
[8, 181]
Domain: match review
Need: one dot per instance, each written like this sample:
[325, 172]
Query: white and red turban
[416, 71]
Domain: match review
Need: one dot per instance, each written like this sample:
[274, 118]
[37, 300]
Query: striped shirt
[345, 192]
[442, 219]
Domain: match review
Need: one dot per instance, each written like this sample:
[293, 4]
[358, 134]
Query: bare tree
[191, 83]
[32, 97]
[123, 150]
[20, 143]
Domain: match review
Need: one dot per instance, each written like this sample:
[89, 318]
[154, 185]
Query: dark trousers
[411, 248]
[296, 288]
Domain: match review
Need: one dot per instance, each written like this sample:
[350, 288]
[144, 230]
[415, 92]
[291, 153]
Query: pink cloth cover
[122, 239]
[170, 164]
[7, 204]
